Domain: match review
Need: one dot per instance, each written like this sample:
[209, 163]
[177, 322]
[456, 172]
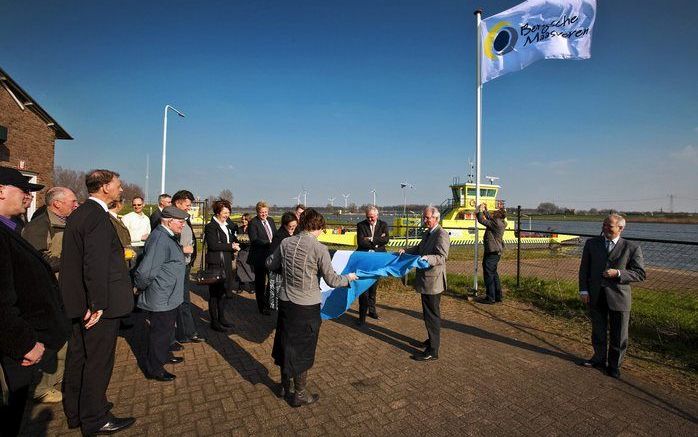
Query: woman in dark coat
[221, 244]
[289, 222]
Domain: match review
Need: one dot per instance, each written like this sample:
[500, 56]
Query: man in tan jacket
[431, 282]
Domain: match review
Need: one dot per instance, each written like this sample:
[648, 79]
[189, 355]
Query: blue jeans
[489, 270]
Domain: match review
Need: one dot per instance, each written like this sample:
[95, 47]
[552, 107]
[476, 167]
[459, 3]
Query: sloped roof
[24, 100]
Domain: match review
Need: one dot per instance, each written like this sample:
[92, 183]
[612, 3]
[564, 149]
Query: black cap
[12, 176]
[174, 212]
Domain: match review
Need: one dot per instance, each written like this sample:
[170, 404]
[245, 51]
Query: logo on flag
[535, 30]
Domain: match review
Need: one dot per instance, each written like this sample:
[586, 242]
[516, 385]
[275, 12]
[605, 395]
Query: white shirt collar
[100, 202]
[169, 231]
[615, 240]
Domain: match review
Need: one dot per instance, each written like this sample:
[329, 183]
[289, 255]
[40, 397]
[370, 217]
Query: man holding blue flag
[431, 281]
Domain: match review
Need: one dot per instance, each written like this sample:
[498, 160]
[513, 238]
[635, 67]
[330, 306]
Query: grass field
[663, 322]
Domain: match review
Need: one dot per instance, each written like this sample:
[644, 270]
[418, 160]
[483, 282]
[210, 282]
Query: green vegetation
[664, 322]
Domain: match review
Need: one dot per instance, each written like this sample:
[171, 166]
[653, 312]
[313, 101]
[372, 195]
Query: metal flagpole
[478, 137]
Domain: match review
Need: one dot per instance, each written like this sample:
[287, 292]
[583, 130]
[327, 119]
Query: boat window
[471, 191]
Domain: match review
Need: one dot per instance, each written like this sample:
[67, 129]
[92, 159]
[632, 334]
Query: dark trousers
[431, 308]
[186, 328]
[217, 307]
[489, 271]
[609, 333]
[11, 415]
[261, 289]
[367, 301]
[162, 323]
[18, 379]
[88, 368]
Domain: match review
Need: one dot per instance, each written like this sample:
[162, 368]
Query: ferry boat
[458, 217]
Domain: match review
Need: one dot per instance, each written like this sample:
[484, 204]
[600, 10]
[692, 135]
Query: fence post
[518, 246]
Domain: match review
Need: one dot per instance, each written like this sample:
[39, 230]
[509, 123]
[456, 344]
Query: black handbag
[211, 275]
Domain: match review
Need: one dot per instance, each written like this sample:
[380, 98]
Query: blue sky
[344, 96]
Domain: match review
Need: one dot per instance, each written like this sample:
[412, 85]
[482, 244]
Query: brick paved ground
[498, 374]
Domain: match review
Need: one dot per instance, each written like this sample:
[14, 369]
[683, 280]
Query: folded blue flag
[368, 266]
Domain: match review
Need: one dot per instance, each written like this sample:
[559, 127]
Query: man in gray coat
[161, 276]
[609, 264]
[430, 282]
[495, 224]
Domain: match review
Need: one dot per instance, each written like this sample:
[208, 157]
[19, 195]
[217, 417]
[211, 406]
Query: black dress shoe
[613, 373]
[115, 424]
[176, 347]
[592, 363]
[165, 377]
[360, 322]
[221, 328]
[373, 315]
[488, 301]
[196, 338]
[175, 360]
[425, 356]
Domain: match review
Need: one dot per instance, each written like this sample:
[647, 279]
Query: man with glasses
[138, 225]
[609, 264]
[32, 323]
[430, 282]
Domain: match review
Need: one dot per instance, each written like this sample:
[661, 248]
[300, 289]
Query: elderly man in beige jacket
[430, 282]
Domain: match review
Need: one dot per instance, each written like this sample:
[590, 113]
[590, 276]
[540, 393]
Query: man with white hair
[609, 264]
[371, 236]
[431, 282]
[45, 233]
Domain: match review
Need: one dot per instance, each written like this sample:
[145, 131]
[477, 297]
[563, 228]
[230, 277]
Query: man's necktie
[609, 245]
[268, 229]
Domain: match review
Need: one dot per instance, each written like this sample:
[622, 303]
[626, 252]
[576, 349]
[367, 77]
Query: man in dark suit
[96, 289]
[609, 264]
[371, 236]
[431, 282]
[261, 231]
[32, 324]
[164, 200]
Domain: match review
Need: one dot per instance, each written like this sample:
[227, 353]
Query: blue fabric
[368, 266]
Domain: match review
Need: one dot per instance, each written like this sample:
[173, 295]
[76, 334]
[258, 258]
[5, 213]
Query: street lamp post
[164, 144]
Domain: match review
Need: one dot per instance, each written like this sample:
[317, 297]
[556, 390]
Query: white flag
[535, 30]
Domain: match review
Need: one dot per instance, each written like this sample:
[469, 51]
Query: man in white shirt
[138, 225]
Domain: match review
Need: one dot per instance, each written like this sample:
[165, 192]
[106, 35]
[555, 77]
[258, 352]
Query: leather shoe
[175, 360]
[165, 377]
[360, 322]
[427, 356]
[115, 424]
[592, 363]
[373, 315]
[613, 373]
[176, 347]
[196, 338]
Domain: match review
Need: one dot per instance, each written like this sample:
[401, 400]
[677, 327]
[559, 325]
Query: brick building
[28, 135]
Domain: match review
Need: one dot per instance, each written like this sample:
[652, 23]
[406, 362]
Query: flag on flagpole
[368, 266]
[535, 30]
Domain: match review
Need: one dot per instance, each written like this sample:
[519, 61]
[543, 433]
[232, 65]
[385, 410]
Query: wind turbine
[331, 199]
[305, 197]
[346, 200]
[374, 196]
